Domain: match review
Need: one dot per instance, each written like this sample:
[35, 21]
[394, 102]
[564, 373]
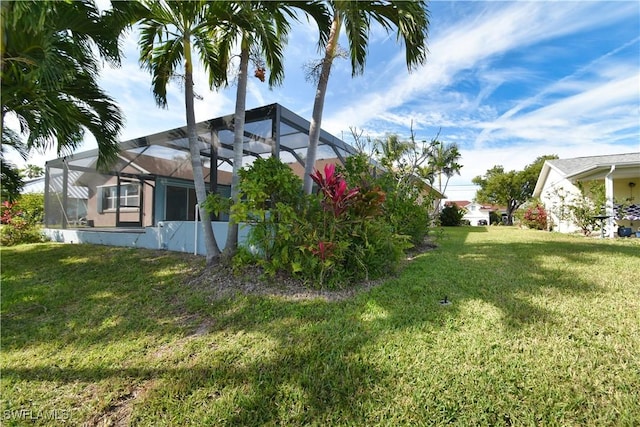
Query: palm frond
[409, 18]
[356, 24]
[50, 71]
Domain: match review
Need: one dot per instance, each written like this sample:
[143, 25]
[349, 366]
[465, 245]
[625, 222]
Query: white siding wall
[550, 197]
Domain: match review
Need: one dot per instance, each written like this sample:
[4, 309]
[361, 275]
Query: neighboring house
[477, 213]
[560, 179]
[147, 198]
[35, 185]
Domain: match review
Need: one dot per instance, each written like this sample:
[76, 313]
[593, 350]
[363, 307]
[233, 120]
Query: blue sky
[507, 81]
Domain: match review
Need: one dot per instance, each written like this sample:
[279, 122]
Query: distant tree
[511, 189]
[32, 171]
[443, 161]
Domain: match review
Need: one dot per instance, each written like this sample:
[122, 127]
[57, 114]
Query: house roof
[459, 203]
[570, 167]
[590, 167]
[35, 185]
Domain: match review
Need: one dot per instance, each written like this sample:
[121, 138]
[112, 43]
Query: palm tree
[169, 35]
[444, 160]
[411, 20]
[49, 75]
[261, 27]
[32, 171]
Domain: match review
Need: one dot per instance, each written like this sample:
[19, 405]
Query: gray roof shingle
[577, 164]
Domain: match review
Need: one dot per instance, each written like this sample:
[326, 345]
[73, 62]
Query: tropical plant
[406, 180]
[332, 238]
[353, 242]
[443, 161]
[336, 197]
[170, 34]
[411, 20]
[11, 180]
[261, 29]
[49, 75]
[271, 203]
[32, 171]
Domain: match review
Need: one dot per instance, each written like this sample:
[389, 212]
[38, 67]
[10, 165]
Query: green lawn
[543, 329]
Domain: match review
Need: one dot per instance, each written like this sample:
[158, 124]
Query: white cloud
[459, 89]
[468, 44]
[594, 115]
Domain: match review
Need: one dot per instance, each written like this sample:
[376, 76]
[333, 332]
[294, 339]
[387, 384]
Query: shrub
[451, 215]
[582, 209]
[354, 242]
[405, 209]
[32, 207]
[336, 236]
[19, 226]
[535, 218]
[271, 201]
[494, 218]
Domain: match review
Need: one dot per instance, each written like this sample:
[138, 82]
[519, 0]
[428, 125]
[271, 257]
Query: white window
[129, 197]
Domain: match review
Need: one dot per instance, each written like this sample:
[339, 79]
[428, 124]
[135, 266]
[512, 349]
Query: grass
[543, 329]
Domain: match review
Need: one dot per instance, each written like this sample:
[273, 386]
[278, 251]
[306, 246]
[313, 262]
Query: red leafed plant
[535, 218]
[337, 197]
[324, 250]
[8, 212]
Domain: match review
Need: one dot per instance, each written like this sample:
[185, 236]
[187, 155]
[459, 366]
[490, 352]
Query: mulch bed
[223, 282]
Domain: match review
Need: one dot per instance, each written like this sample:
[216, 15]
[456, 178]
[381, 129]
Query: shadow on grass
[293, 361]
[86, 295]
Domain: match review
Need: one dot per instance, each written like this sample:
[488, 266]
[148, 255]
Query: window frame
[108, 198]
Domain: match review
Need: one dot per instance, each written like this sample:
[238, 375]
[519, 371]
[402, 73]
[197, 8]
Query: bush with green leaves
[407, 205]
[21, 220]
[32, 207]
[494, 218]
[331, 238]
[354, 242]
[271, 203]
[408, 215]
[451, 215]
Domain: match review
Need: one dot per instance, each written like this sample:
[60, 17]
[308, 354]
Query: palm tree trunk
[211, 246]
[318, 103]
[238, 137]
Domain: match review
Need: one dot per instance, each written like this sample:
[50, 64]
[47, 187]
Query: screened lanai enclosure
[148, 195]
